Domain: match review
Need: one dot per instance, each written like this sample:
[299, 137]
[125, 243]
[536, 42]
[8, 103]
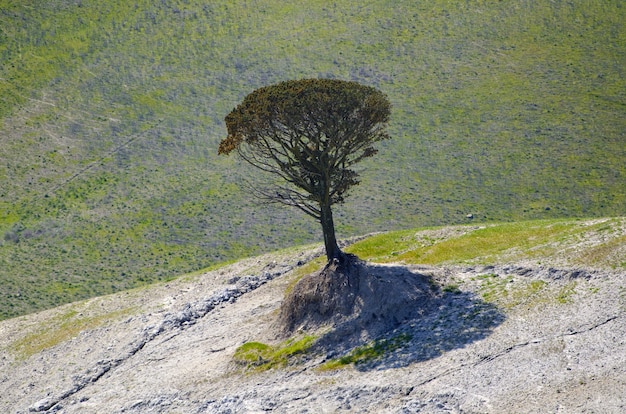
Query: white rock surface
[548, 341]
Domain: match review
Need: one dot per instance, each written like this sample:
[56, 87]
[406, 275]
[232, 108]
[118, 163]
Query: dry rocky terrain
[480, 339]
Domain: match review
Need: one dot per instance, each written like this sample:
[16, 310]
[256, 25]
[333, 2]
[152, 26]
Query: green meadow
[111, 112]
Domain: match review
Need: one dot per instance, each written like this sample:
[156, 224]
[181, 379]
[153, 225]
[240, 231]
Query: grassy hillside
[111, 112]
[560, 243]
[598, 244]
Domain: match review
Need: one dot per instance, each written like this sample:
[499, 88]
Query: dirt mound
[356, 299]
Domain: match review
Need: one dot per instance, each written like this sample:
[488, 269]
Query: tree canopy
[311, 133]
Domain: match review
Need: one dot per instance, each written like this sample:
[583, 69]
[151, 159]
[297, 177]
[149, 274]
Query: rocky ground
[507, 338]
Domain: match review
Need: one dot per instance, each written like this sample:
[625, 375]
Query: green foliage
[310, 133]
[111, 113]
[260, 357]
[339, 118]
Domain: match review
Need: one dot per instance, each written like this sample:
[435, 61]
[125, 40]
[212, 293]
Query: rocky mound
[350, 298]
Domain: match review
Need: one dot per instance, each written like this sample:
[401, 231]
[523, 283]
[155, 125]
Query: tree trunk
[328, 228]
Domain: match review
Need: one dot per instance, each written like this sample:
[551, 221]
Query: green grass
[368, 353]
[610, 252]
[111, 113]
[452, 288]
[310, 267]
[258, 356]
[487, 242]
[493, 243]
[500, 291]
[566, 293]
[60, 329]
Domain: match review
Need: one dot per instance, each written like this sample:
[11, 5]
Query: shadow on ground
[413, 313]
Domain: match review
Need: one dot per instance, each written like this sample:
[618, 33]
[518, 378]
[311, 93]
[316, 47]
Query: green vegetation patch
[487, 243]
[384, 247]
[491, 243]
[60, 329]
[612, 253]
[507, 293]
[452, 288]
[566, 292]
[258, 356]
[492, 287]
[368, 353]
[311, 267]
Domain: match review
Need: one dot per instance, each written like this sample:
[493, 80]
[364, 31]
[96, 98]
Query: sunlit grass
[383, 247]
[487, 244]
[310, 267]
[612, 252]
[260, 357]
[60, 329]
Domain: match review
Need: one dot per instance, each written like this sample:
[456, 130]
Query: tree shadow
[410, 326]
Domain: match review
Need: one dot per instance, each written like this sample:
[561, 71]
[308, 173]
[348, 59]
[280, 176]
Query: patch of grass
[258, 356]
[612, 253]
[486, 243]
[383, 247]
[566, 292]
[253, 354]
[298, 273]
[60, 329]
[530, 293]
[452, 288]
[368, 353]
[491, 243]
[503, 292]
[493, 287]
[508, 294]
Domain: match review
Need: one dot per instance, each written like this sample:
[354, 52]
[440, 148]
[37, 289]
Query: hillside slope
[503, 336]
[111, 112]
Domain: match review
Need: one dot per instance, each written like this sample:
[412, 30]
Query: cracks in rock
[592, 327]
[492, 357]
[189, 315]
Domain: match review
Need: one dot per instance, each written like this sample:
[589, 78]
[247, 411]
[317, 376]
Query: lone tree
[310, 132]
